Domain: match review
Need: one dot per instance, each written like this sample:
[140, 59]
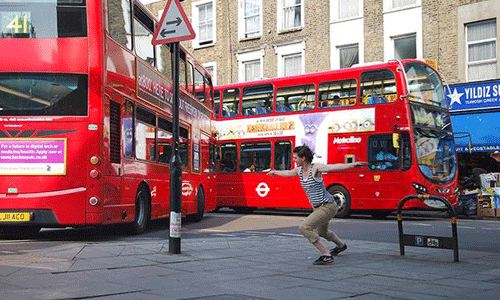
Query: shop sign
[474, 96]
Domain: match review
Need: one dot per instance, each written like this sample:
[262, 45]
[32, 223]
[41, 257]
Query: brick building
[244, 40]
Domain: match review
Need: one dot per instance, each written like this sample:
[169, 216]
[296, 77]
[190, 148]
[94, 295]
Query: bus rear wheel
[142, 212]
[341, 194]
[201, 205]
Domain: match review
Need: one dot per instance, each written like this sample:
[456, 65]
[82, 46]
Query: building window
[397, 4]
[481, 50]
[290, 14]
[348, 9]
[405, 46]
[204, 23]
[250, 65]
[252, 70]
[291, 59]
[250, 20]
[211, 67]
[348, 55]
[292, 64]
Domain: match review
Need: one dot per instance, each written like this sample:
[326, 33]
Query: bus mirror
[395, 140]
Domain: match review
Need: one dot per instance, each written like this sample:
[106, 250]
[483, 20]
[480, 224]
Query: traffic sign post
[174, 27]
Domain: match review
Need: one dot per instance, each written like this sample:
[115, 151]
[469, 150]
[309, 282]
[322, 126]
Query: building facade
[245, 40]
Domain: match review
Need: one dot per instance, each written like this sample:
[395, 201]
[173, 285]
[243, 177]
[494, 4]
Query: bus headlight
[94, 160]
[420, 188]
[94, 174]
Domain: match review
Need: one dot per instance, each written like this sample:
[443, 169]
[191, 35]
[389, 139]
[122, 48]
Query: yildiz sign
[474, 96]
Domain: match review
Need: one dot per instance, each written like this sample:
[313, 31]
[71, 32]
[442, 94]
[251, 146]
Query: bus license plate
[15, 217]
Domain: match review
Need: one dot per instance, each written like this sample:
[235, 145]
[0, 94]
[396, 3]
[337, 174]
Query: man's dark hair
[304, 152]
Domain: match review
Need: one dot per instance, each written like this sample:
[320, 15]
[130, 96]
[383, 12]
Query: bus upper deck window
[378, 87]
[230, 103]
[337, 93]
[257, 100]
[295, 98]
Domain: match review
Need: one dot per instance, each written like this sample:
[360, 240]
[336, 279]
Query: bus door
[389, 156]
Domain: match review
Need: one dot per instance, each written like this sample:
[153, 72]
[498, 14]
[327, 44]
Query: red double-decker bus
[86, 126]
[393, 115]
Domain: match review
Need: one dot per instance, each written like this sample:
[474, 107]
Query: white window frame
[389, 7]
[280, 19]
[242, 35]
[283, 51]
[335, 11]
[195, 22]
[467, 44]
[242, 58]
[212, 65]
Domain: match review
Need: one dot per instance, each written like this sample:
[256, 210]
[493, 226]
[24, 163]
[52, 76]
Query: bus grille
[115, 132]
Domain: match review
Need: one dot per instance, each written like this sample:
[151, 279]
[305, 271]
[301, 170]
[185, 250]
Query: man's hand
[271, 173]
[359, 164]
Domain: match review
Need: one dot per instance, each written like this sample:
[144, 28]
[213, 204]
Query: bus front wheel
[341, 194]
[142, 212]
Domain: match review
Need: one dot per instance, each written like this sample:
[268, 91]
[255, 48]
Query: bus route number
[16, 22]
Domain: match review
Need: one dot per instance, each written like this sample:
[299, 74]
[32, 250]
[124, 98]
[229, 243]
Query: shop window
[255, 157]
[283, 155]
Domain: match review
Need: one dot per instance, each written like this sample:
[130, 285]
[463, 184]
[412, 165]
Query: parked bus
[86, 118]
[393, 115]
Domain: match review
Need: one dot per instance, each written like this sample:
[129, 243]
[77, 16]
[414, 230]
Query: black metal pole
[174, 243]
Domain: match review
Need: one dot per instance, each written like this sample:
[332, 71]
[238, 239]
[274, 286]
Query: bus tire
[343, 195]
[142, 212]
[201, 205]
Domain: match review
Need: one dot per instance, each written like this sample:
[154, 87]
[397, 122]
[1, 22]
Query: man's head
[301, 154]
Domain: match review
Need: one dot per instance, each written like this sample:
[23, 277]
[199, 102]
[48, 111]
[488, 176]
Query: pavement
[247, 265]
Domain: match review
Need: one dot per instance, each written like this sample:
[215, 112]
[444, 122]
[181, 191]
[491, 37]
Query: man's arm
[326, 168]
[284, 173]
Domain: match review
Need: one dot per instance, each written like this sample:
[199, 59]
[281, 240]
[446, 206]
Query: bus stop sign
[174, 25]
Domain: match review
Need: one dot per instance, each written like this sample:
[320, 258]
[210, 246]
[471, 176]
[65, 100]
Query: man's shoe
[335, 251]
[323, 260]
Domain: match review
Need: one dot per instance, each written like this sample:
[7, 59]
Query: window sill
[283, 31]
[203, 46]
[250, 38]
[346, 20]
[402, 8]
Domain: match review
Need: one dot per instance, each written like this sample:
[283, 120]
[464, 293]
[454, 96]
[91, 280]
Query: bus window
[283, 155]
[381, 153]
[230, 103]
[184, 146]
[217, 103]
[199, 86]
[189, 78]
[378, 87]
[145, 139]
[255, 157]
[228, 160]
[295, 98]
[257, 100]
[209, 100]
[128, 129]
[164, 60]
[119, 22]
[337, 93]
[213, 150]
[143, 34]
[182, 70]
[164, 141]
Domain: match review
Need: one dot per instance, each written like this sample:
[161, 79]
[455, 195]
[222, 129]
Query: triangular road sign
[174, 25]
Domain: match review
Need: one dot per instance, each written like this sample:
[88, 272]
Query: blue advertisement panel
[474, 96]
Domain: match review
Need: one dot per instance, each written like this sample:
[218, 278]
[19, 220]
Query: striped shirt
[314, 188]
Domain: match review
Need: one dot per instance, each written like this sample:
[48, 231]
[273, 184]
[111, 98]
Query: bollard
[428, 241]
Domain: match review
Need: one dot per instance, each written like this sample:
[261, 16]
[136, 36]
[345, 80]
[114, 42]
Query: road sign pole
[174, 244]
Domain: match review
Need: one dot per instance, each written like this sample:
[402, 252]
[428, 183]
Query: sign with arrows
[174, 25]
